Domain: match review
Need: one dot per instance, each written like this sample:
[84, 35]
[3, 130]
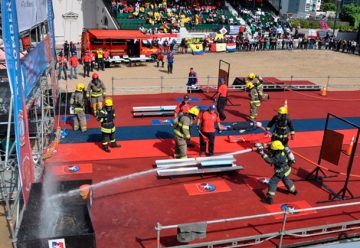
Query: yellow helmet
[283, 111]
[277, 145]
[108, 102]
[194, 110]
[249, 85]
[251, 75]
[80, 87]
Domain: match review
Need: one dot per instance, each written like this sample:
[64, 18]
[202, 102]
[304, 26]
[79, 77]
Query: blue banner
[34, 65]
[52, 49]
[10, 35]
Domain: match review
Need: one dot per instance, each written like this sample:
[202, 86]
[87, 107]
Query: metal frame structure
[41, 115]
[165, 84]
[258, 239]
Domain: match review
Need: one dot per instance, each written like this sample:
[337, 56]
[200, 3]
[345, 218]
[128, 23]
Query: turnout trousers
[80, 118]
[276, 178]
[180, 147]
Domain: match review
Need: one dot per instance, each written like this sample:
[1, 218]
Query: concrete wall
[90, 14]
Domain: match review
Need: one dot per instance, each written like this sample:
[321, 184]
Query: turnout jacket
[281, 125]
[182, 126]
[96, 88]
[280, 162]
[106, 117]
[77, 100]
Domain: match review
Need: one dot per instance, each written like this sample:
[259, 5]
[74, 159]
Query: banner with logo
[230, 47]
[197, 49]
[32, 12]
[10, 35]
[52, 49]
[34, 65]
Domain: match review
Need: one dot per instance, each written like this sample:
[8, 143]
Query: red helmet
[95, 75]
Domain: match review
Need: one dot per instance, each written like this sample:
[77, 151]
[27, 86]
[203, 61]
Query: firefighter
[62, 66]
[221, 98]
[100, 59]
[277, 157]
[255, 101]
[258, 83]
[183, 107]
[96, 92]
[282, 124]
[86, 59]
[206, 127]
[106, 117]
[182, 131]
[77, 101]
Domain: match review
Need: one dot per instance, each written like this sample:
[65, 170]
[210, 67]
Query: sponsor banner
[56, 243]
[220, 47]
[52, 49]
[197, 49]
[312, 33]
[324, 25]
[231, 47]
[34, 64]
[32, 12]
[11, 47]
[234, 29]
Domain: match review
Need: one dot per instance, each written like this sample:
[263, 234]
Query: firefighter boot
[267, 200]
[115, 145]
[106, 148]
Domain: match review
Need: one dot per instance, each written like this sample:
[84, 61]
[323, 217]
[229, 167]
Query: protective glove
[267, 134]
[292, 136]
[104, 93]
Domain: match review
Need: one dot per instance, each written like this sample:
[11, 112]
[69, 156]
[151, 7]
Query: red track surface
[125, 212]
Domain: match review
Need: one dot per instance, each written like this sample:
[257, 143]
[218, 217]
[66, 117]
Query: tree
[351, 13]
[329, 7]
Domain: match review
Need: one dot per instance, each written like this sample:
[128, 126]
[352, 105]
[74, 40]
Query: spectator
[73, 65]
[66, 49]
[170, 61]
[192, 80]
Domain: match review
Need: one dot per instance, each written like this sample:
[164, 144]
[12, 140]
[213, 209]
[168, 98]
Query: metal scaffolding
[41, 113]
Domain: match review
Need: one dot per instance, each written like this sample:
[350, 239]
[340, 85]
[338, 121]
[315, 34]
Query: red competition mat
[210, 187]
[61, 170]
[292, 205]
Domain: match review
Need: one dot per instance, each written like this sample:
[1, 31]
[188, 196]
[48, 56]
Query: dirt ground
[312, 65]
[4, 231]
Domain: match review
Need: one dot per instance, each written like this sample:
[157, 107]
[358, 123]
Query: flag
[231, 47]
[220, 47]
[197, 49]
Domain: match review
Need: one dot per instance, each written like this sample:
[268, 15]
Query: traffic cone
[285, 104]
[231, 139]
[349, 149]
[323, 91]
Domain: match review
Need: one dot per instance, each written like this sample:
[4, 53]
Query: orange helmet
[95, 75]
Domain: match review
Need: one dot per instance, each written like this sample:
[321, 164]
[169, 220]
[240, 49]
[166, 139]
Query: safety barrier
[166, 84]
[258, 239]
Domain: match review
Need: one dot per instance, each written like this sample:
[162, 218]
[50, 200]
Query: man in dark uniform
[77, 101]
[106, 117]
[221, 98]
[277, 157]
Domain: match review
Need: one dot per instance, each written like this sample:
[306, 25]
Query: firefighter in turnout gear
[257, 81]
[106, 117]
[182, 131]
[77, 101]
[255, 101]
[282, 124]
[276, 156]
[96, 92]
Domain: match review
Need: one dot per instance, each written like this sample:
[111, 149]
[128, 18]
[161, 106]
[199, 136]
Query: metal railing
[166, 84]
[257, 239]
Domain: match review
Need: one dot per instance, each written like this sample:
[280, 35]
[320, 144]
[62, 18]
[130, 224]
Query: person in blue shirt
[170, 60]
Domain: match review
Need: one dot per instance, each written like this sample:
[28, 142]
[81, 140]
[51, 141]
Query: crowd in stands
[168, 16]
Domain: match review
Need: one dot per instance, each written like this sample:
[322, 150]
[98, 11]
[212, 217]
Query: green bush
[316, 24]
[329, 7]
[351, 13]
